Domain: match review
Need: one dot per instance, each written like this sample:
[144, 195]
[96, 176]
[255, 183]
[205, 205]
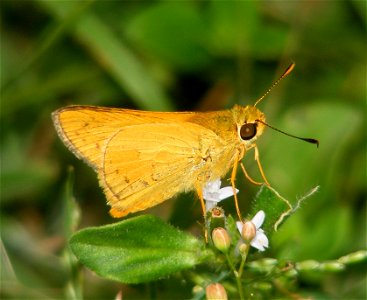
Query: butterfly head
[247, 122]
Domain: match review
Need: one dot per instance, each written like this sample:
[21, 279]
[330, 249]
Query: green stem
[237, 275]
[239, 286]
[243, 260]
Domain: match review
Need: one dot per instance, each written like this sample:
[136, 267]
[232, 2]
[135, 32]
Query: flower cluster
[250, 231]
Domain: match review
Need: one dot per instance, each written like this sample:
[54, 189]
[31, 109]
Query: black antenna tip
[316, 142]
[312, 141]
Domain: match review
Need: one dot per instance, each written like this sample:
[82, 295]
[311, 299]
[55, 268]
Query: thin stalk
[237, 276]
[243, 260]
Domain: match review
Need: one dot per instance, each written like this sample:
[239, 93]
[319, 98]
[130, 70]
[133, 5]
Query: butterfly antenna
[285, 74]
[308, 140]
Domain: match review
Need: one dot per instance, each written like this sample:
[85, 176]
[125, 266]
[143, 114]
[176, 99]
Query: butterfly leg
[199, 191]
[233, 183]
[248, 176]
[257, 158]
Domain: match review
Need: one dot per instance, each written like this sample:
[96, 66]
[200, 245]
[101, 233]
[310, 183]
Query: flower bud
[355, 257]
[244, 248]
[215, 218]
[119, 295]
[217, 212]
[264, 265]
[308, 265]
[248, 231]
[221, 239]
[332, 266]
[197, 289]
[216, 291]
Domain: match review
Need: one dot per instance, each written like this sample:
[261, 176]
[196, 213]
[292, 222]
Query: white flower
[260, 241]
[212, 193]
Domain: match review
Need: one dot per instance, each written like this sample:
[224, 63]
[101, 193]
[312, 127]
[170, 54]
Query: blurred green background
[184, 55]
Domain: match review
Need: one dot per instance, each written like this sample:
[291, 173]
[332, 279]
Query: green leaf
[137, 250]
[276, 207]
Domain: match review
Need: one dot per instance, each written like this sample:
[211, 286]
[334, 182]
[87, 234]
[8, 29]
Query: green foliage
[185, 56]
[137, 250]
[175, 19]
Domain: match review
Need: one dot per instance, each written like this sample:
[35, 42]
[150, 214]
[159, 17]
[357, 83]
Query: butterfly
[143, 158]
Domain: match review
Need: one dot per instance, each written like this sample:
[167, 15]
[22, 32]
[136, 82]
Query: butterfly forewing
[141, 157]
[86, 129]
[143, 164]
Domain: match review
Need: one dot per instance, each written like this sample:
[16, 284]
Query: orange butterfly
[143, 158]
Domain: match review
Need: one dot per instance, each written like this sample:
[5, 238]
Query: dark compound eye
[248, 131]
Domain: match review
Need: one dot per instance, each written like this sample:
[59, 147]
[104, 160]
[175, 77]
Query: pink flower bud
[216, 291]
[221, 239]
[248, 231]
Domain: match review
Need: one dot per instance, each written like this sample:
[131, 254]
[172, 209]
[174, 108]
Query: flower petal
[239, 225]
[260, 241]
[258, 219]
[226, 192]
[211, 196]
[211, 191]
[212, 186]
